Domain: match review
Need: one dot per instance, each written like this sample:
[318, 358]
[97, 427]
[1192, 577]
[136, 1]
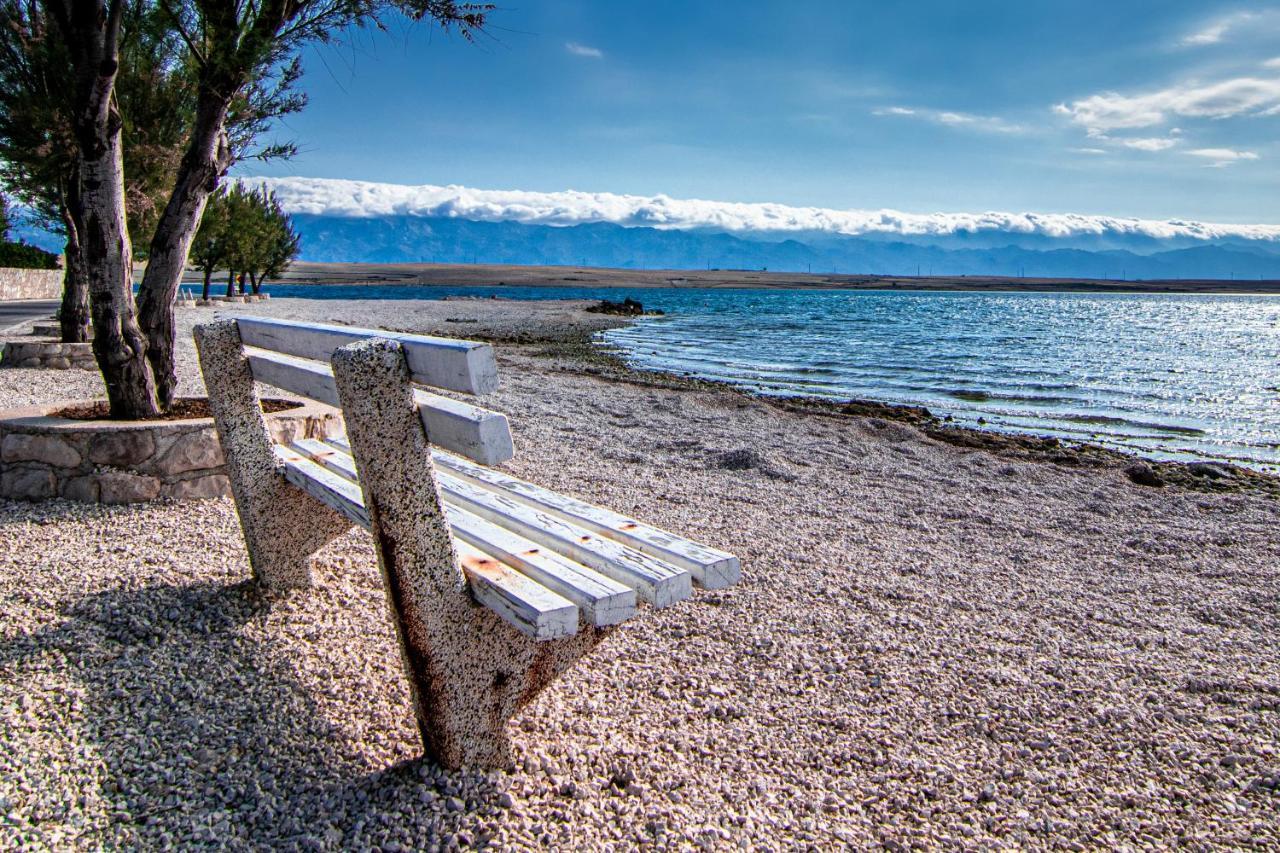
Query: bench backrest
[295, 356]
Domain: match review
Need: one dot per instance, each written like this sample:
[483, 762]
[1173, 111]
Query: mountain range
[437, 239]
[350, 221]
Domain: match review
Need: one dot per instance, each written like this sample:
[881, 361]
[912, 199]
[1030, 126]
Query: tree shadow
[207, 735]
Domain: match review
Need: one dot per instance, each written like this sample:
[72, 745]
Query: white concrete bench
[496, 585]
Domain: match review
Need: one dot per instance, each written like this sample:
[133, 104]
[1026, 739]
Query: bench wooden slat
[658, 583]
[328, 487]
[474, 432]
[525, 604]
[311, 379]
[466, 366]
[520, 601]
[711, 568]
[602, 600]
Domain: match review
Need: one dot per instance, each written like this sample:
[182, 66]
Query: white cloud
[1109, 111]
[1272, 63]
[1214, 32]
[1223, 156]
[1157, 143]
[584, 50]
[325, 197]
[951, 118]
[1211, 34]
[1088, 150]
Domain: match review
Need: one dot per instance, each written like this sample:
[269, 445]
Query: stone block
[192, 451]
[83, 489]
[123, 449]
[50, 449]
[283, 430]
[199, 488]
[28, 483]
[58, 363]
[117, 487]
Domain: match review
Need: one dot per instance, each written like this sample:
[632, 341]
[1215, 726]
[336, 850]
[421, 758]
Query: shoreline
[1202, 475]
[500, 275]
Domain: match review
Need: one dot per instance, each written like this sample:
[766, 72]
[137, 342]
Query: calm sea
[1171, 376]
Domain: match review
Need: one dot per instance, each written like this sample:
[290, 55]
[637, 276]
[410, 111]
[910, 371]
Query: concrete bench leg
[469, 671]
[283, 526]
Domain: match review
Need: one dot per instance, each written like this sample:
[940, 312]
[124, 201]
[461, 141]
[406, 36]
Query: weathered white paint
[658, 583]
[324, 485]
[474, 432]
[524, 604]
[711, 568]
[602, 600]
[313, 379]
[520, 601]
[467, 366]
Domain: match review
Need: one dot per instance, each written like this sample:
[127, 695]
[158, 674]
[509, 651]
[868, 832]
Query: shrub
[27, 257]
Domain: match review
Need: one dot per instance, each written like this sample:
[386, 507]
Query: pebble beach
[933, 646]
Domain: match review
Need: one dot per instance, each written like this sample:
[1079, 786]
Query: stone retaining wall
[48, 354]
[115, 462]
[30, 284]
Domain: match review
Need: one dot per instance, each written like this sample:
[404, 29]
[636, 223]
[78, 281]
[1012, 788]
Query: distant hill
[421, 239]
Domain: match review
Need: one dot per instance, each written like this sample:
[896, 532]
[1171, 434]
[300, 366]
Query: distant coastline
[490, 275]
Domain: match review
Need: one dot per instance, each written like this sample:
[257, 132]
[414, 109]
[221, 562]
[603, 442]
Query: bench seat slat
[602, 600]
[658, 582]
[523, 603]
[467, 366]
[711, 568]
[326, 486]
[469, 430]
[520, 601]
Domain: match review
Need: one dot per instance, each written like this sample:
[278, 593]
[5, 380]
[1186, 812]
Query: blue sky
[1155, 110]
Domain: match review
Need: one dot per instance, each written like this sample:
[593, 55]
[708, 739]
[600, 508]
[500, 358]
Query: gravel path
[932, 646]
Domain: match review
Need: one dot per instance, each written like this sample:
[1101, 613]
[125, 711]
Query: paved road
[20, 311]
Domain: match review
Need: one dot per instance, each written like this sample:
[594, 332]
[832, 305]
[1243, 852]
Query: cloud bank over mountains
[348, 199]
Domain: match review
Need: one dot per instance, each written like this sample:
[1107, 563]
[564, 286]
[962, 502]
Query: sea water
[1169, 375]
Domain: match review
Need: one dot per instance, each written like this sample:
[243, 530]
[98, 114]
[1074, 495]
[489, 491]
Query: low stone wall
[114, 462]
[47, 354]
[30, 284]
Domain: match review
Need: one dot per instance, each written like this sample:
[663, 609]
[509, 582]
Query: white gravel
[931, 647]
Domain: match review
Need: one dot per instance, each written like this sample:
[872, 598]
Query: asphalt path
[20, 311]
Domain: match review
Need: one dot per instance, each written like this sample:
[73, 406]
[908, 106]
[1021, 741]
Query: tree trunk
[207, 158]
[231, 283]
[256, 282]
[73, 316]
[91, 33]
[208, 274]
[118, 341]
